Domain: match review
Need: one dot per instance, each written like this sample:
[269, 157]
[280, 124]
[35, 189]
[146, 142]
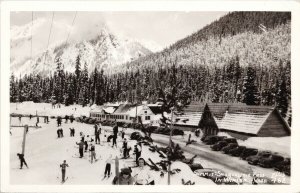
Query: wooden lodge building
[148, 113]
[237, 119]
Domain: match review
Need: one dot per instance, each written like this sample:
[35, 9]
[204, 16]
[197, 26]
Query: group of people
[139, 176]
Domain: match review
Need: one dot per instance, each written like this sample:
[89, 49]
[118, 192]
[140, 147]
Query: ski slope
[44, 152]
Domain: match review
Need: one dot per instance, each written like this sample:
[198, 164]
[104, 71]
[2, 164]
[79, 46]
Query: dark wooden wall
[274, 126]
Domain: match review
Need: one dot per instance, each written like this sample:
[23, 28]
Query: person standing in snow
[97, 136]
[22, 160]
[142, 174]
[123, 133]
[93, 153]
[86, 145]
[58, 121]
[115, 131]
[108, 166]
[58, 133]
[138, 153]
[95, 129]
[82, 136]
[125, 148]
[124, 178]
[81, 145]
[61, 132]
[63, 166]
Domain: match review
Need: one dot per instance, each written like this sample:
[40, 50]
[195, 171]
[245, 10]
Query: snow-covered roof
[96, 109]
[123, 109]
[109, 110]
[242, 122]
[189, 119]
[133, 110]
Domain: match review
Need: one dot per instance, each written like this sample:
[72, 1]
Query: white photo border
[166, 5]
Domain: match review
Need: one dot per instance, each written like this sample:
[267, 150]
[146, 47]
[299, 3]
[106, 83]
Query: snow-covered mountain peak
[103, 50]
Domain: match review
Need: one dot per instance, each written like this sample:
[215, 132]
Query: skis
[106, 177]
[76, 156]
[62, 182]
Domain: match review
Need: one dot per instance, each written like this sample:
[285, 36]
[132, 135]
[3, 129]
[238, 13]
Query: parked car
[248, 152]
[236, 152]
[270, 162]
[283, 166]
[218, 146]
[210, 140]
[135, 136]
[254, 160]
[229, 147]
[230, 140]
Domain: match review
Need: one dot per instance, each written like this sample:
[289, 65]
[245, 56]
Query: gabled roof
[189, 119]
[109, 110]
[123, 108]
[97, 109]
[244, 122]
[155, 109]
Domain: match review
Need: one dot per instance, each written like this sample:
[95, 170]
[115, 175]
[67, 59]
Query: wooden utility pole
[170, 146]
[117, 170]
[24, 139]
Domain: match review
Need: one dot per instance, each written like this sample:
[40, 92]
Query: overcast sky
[163, 28]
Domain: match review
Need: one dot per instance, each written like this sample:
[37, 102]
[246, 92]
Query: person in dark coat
[72, 118]
[22, 160]
[58, 133]
[124, 178]
[58, 121]
[138, 153]
[61, 132]
[81, 145]
[97, 137]
[86, 145]
[115, 131]
[66, 118]
[125, 148]
[63, 166]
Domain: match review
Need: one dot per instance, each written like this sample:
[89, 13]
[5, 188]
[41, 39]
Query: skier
[97, 136]
[58, 121]
[72, 118]
[22, 160]
[20, 118]
[58, 133]
[108, 166]
[82, 135]
[30, 116]
[67, 118]
[81, 145]
[115, 131]
[93, 153]
[142, 174]
[124, 178]
[61, 132]
[125, 148]
[63, 166]
[71, 132]
[123, 133]
[96, 129]
[86, 145]
[138, 152]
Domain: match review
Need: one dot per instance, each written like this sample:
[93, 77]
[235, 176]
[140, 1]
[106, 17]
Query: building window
[147, 118]
[145, 112]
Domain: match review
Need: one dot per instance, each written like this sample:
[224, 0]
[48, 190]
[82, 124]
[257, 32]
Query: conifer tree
[250, 87]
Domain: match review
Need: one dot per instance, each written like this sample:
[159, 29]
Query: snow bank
[281, 145]
[30, 107]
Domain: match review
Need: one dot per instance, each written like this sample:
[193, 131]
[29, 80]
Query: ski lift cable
[71, 27]
[49, 38]
[31, 36]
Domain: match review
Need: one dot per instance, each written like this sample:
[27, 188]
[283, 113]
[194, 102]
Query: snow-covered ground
[44, 151]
